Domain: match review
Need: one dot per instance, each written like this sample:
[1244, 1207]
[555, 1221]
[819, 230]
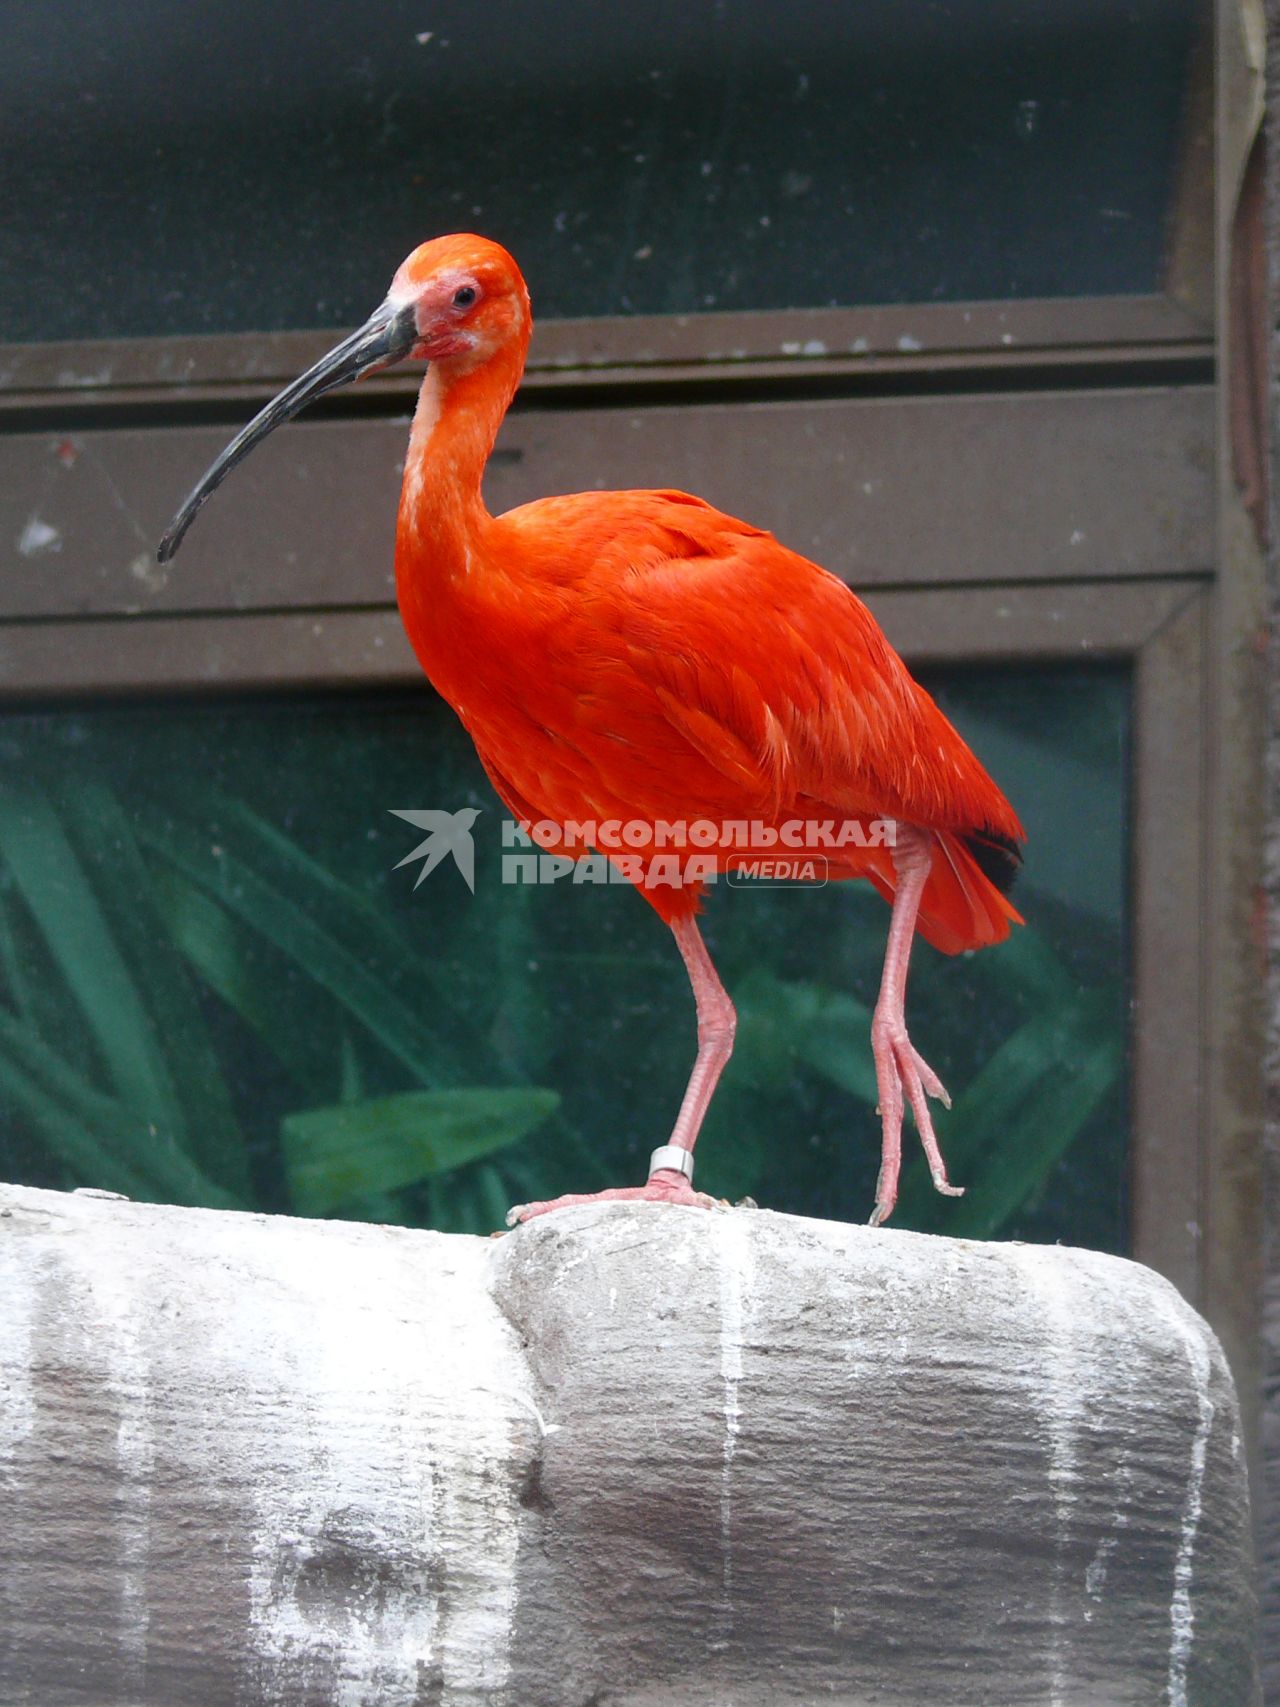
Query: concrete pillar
[628, 1454]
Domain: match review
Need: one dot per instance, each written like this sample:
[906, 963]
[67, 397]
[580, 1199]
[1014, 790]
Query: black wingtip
[998, 856]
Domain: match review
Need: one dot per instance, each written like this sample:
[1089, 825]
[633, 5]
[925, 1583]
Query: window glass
[221, 983]
[178, 169]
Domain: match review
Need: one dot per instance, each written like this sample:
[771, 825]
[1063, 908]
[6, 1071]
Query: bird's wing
[778, 675]
[769, 667]
[672, 662]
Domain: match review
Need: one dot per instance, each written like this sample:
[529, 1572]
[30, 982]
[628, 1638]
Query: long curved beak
[386, 337]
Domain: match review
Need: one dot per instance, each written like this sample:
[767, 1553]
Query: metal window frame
[1086, 482]
[920, 340]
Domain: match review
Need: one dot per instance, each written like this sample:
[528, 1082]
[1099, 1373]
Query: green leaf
[353, 920]
[252, 977]
[836, 1045]
[473, 1200]
[783, 1027]
[783, 1023]
[1001, 1187]
[350, 1077]
[383, 1209]
[333, 935]
[85, 1157]
[302, 929]
[1019, 1115]
[365, 1149]
[35, 988]
[106, 1143]
[105, 844]
[13, 977]
[55, 887]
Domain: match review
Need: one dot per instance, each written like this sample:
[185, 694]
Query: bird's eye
[465, 297]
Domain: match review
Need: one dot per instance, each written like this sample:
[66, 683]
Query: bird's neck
[442, 512]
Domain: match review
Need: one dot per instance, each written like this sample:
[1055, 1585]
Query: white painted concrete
[626, 1453]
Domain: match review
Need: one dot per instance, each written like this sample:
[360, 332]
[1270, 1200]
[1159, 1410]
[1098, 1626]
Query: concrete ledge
[625, 1455]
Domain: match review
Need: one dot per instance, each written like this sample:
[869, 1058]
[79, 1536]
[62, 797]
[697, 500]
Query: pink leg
[717, 1023]
[898, 1066]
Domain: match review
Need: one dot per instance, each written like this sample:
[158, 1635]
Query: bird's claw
[905, 1079]
[662, 1187]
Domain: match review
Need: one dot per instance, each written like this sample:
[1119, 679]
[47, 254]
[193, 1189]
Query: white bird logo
[447, 833]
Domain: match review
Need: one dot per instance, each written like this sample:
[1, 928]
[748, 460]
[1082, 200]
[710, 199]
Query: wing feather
[705, 669]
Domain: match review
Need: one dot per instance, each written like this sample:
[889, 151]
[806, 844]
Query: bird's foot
[903, 1075]
[663, 1186]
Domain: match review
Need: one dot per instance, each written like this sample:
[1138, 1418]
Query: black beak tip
[170, 542]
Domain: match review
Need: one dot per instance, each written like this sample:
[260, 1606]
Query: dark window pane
[216, 985]
[176, 169]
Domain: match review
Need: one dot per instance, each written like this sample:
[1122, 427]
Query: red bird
[641, 658]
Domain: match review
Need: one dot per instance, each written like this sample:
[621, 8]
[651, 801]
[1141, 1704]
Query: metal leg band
[673, 1157]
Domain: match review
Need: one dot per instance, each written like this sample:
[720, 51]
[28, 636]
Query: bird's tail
[963, 905]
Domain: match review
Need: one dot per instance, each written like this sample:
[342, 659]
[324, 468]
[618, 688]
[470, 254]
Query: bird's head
[464, 298]
[457, 301]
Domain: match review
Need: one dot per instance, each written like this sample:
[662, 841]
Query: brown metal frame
[1161, 628]
[974, 486]
[922, 340]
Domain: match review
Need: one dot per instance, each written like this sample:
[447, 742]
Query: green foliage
[125, 922]
[361, 1149]
[1019, 1116]
[195, 1008]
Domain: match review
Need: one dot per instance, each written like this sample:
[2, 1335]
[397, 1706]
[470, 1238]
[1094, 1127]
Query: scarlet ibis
[641, 658]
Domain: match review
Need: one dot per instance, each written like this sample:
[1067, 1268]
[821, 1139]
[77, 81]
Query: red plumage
[679, 664]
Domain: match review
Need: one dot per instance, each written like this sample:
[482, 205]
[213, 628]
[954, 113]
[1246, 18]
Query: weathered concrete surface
[626, 1455]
